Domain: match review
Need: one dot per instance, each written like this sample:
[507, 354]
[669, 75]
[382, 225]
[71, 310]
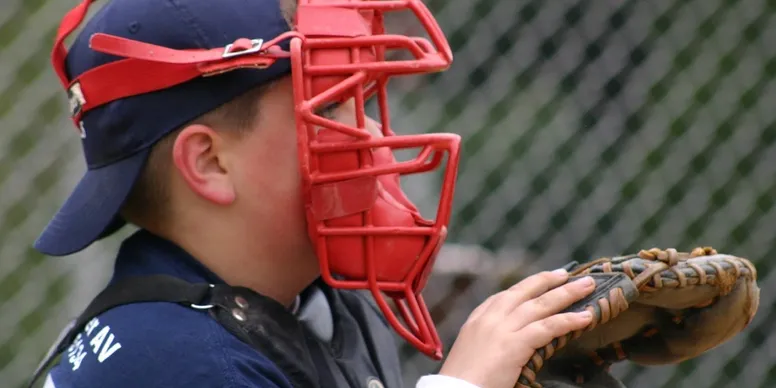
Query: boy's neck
[252, 264]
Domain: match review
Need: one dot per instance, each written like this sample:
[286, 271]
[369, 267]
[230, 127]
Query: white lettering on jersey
[96, 342]
[91, 325]
[105, 347]
[76, 353]
[103, 344]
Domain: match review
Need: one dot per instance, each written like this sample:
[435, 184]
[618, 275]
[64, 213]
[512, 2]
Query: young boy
[233, 134]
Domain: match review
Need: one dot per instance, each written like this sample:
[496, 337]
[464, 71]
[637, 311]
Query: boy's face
[266, 175]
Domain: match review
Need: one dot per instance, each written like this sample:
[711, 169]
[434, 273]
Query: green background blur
[590, 128]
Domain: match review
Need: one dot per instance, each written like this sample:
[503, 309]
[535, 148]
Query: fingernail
[560, 271]
[585, 315]
[587, 281]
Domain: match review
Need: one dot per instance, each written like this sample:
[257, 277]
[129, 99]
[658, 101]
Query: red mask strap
[146, 67]
[69, 23]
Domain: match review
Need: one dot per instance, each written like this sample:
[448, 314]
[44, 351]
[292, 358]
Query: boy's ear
[198, 154]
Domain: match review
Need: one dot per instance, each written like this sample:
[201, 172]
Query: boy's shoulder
[161, 344]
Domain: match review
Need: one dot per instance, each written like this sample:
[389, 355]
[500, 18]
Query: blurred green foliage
[546, 95]
[49, 111]
[718, 188]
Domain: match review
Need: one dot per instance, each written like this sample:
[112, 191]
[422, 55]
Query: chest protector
[361, 353]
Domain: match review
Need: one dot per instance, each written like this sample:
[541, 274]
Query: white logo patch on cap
[76, 98]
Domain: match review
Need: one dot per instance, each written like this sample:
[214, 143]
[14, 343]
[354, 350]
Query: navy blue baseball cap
[117, 136]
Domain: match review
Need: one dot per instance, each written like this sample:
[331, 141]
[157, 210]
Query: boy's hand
[503, 332]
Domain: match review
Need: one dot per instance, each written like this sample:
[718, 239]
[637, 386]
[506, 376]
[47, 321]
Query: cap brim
[92, 210]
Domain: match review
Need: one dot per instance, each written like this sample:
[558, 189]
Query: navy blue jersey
[161, 344]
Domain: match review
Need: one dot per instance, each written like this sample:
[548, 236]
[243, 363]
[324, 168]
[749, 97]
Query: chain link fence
[591, 128]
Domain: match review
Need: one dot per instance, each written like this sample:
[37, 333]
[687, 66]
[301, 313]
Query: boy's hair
[288, 8]
[149, 197]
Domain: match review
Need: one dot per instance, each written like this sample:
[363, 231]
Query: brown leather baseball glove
[655, 307]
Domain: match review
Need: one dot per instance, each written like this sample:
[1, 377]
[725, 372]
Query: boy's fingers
[505, 301]
[551, 302]
[540, 333]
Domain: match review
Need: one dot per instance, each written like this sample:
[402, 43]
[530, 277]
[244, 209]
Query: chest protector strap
[361, 352]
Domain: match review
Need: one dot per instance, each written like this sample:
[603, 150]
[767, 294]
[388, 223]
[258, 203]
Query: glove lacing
[615, 302]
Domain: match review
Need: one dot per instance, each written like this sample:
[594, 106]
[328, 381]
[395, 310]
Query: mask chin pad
[347, 204]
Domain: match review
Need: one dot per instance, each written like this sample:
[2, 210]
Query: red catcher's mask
[367, 234]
